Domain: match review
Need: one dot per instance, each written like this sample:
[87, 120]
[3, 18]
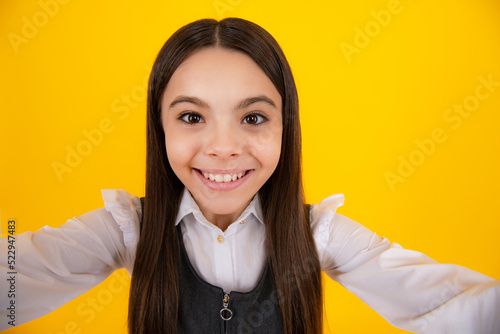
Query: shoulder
[334, 233]
[122, 204]
[324, 217]
[126, 211]
[326, 207]
[323, 214]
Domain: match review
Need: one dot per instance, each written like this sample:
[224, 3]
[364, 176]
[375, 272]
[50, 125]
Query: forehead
[217, 74]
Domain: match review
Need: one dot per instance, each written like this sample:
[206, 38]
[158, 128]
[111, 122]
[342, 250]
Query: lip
[223, 186]
[223, 171]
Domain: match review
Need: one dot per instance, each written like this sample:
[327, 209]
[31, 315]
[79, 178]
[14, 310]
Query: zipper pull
[225, 313]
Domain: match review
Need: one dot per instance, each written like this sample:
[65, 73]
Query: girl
[222, 241]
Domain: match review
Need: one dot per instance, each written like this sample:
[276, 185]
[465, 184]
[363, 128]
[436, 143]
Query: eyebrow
[251, 100]
[200, 103]
[188, 99]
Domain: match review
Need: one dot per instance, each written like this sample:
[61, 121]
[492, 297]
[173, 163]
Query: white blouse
[408, 289]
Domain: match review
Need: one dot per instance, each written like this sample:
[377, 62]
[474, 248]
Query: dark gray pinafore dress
[205, 308]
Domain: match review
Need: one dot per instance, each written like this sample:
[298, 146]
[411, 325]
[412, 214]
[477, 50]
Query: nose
[223, 141]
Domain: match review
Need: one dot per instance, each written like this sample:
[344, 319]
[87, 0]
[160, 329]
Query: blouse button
[243, 221]
[220, 238]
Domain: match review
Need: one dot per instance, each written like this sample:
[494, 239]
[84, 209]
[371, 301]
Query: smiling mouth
[223, 177]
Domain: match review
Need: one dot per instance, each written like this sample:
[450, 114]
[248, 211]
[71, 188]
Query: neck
[222, 221]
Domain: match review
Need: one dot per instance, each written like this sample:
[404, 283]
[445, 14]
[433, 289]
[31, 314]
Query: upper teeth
[223, 177]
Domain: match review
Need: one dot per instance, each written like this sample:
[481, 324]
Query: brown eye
[191, 118]
[254, 119]
[251, 119]
[194, 118]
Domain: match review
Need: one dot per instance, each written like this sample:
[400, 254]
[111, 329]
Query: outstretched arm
[407, 288]
[55, 265]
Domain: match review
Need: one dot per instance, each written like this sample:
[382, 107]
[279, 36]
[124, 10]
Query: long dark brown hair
[291, 251]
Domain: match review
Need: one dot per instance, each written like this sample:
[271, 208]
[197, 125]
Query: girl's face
[222, 120]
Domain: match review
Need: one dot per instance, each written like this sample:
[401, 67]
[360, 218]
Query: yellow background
[360, 115]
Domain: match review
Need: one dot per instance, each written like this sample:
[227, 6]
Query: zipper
[225, 313]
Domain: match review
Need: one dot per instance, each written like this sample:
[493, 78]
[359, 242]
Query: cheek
[274, 154]
[180, 150]
[266, 147]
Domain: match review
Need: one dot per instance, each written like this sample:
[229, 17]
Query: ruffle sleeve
[127, 212]
[407, 288]
[321, 216]
[56, 264]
